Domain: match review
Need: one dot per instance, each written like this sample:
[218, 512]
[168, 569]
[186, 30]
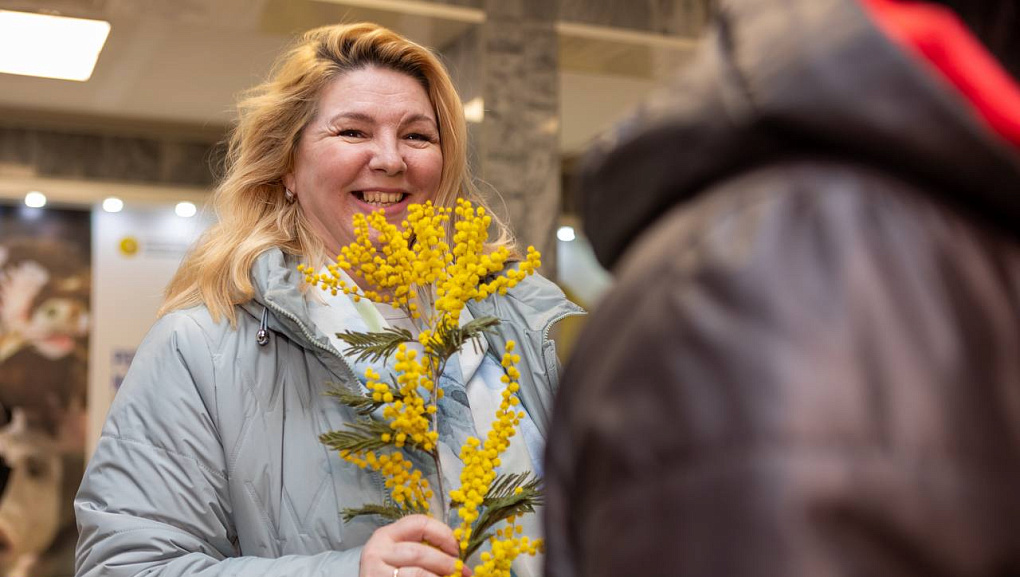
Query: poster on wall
[45, 283]
[135, 253]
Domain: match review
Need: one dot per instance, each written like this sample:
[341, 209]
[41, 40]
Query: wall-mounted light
[185, 209]
[113, 204]
[35, 199]
[566, 233]
[50, 46]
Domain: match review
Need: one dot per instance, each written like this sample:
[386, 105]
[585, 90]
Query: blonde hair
[252, 214]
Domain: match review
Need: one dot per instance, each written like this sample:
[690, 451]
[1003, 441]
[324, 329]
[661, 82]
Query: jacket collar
[278, 287]
[527, 311]
[535, 303]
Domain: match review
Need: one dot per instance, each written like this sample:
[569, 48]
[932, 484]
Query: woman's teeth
[381, 198]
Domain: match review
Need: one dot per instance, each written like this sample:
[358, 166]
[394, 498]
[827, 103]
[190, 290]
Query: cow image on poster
[49, 325]
[44, 298]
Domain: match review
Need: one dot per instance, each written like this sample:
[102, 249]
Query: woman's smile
[386, 199]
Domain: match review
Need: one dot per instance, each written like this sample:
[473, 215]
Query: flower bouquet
[412, 268]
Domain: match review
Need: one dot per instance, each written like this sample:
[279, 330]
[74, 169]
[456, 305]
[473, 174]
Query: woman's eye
[419, 136]
[350, 133]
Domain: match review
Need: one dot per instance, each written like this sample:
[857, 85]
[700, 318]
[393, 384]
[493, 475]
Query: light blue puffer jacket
[209, 463]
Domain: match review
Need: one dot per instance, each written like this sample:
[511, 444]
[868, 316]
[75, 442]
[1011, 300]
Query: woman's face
[374, 143]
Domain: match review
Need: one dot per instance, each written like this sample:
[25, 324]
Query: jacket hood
[788, 79]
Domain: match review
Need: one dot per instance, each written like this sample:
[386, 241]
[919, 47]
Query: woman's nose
[387, 158]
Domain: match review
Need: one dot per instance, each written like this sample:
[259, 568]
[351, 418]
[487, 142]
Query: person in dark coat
[810, 363]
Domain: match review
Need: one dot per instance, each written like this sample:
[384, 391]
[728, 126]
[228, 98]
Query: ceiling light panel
[50, 46]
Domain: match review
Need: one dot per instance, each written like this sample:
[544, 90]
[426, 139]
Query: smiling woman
[210, 461]
[327, 92]
[374, 143]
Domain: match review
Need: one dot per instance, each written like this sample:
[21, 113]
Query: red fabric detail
[936, 34]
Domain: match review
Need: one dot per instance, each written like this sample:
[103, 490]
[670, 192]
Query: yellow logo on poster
[129, 246]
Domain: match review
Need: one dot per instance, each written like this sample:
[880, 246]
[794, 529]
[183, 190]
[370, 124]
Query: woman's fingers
[418, 555]
[418, 528]
[418, 572]
[419, 546]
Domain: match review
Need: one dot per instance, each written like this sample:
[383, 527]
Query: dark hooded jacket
[810, 362]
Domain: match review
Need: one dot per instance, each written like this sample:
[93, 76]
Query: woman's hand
[414, 546]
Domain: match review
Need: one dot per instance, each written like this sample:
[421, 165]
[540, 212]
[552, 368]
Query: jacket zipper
[553, 370]
[380, 483]
[311, 339]
[577, 312]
